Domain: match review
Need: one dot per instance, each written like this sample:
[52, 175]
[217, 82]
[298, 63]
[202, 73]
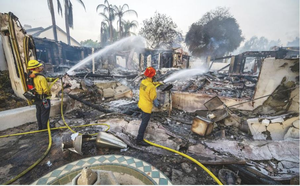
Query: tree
[160, 31]
[90, 43]
[104, 33]
[109, 18]
[215, 34]
[59, 10]
[258, 44]
[120, 12]
[127, 25]
[69, 17]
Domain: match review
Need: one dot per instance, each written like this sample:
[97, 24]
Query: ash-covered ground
[19, 152]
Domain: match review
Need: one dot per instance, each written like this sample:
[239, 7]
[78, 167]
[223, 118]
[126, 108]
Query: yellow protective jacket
[41, 84]
[147, 95]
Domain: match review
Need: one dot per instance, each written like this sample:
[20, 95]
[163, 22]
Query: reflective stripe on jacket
[41, 85]
[147, 95]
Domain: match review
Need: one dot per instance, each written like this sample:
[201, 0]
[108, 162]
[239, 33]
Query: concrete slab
[276, 131]
[19, 116]
[259, 150]
[292, 133]
[256, 129]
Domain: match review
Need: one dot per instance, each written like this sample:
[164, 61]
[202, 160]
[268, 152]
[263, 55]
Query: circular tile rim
[107, 160]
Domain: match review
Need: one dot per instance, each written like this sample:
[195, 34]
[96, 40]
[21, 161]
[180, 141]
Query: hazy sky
[274, 19]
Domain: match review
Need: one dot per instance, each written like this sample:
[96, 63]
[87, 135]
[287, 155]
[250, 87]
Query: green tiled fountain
[127, 171]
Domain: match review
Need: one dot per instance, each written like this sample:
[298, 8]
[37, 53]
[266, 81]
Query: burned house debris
[238, 115]
[58, 55]
[159, 59]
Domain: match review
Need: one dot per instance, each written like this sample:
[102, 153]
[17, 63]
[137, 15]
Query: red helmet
[149, 72]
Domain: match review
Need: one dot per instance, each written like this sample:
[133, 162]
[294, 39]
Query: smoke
[293, 43]
[259, 44]
[213, 43]
[216, 47]
[136, 42]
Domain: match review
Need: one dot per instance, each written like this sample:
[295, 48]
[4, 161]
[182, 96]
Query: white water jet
[186, 73]
[136, 42]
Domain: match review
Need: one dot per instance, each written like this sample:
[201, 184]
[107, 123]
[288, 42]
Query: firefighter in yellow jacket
[42, 93]
[147, 99]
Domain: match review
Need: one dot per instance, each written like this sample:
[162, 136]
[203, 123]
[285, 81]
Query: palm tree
[105, 24]
[120, 12]
[110, 18]
[69, 17]
[127, 25]
[51, 8]
[104, 33]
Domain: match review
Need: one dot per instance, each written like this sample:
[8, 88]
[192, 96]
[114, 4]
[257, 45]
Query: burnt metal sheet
[213, 103]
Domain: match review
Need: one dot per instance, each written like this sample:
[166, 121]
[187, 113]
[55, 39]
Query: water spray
[186, 73]
[136, 42]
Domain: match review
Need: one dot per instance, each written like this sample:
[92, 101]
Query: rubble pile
[230, 141]
[212, 83]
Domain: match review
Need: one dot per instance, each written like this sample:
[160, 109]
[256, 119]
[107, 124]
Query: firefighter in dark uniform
[42, 93]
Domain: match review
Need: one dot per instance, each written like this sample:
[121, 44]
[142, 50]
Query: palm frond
[125, 6]
[48, 2]
[116, 9]
[101, 6]
[131, 11]
[80, 1]
[70, 15]
[104, 16]
[59, 8]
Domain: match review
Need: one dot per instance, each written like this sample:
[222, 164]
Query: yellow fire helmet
[33, 64]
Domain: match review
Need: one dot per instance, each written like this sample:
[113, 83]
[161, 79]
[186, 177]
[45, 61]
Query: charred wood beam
[90, 104]
[208, 80]
[224, 88]
[182, 120]
[251, 176]
[201, 86]
[108, 75]
[224, 67]
[252, 79]
[259, 53]
[218, 58]
[211, 65]
[210, 76]
[218, 161]
[188, 85]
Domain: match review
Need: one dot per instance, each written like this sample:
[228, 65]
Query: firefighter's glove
[156, 103]
[157, 84]
[49, 79]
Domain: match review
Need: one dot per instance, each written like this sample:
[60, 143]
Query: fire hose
[67, 126]
[160, 146]
[188, 157]
[50, 140]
